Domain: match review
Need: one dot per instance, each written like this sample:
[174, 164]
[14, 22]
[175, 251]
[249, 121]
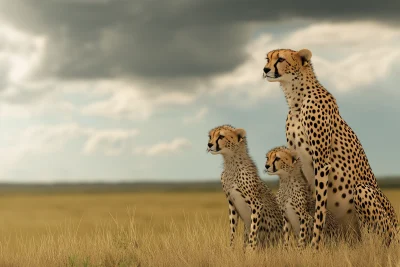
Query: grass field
[149, 229]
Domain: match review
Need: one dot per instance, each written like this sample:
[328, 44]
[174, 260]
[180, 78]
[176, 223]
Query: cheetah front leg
[319, 135]
[305, 231]
[255, 223]
[233, 221]
[286, 231]
[321, 185]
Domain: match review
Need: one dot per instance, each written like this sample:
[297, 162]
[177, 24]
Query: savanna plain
[152, 228]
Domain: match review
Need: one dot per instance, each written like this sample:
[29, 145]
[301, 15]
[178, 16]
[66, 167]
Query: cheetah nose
[267, 166]
[210, 145]
[266, 70]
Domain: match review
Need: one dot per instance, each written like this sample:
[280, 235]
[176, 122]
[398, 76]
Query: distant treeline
[5, 188]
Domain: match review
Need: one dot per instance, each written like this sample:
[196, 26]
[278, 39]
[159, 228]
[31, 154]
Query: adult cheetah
[248, 196]
[295, 197]
[322, 138]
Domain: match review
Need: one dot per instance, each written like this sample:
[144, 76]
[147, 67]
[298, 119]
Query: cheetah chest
[241, 206]
[297, 139]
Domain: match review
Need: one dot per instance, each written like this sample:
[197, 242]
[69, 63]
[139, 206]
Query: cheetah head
[280, 160]
[283, 65]
[225, 140]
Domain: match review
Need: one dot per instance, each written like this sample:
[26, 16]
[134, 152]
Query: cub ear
[295, 155]
[305, 56]
[241, 133]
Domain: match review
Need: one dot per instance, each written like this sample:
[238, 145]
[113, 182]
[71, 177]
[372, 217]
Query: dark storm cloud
[162, 39]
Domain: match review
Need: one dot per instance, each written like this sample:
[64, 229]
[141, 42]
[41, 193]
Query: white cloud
[20, 56]
[109, 142]
[175, 146]
[346, 55]
[196, 117]
[133, 102]
[129, 104]
[43, 139]
[43, 106]
[366, 51]
[23, 94]
[20, 52]
[35, 140]
[245, 84]
[346, 35]
[47, 139]
[359, 69]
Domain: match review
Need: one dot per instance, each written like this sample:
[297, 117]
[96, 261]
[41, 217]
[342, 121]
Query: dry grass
[149, 229]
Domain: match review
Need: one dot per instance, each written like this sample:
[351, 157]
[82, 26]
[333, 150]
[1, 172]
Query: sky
[102, 90]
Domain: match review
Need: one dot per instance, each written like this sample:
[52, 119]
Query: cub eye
[221, 136]
[281, 59]
[277, 158]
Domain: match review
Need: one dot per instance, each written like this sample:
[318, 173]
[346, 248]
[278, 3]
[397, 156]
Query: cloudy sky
[102, 90]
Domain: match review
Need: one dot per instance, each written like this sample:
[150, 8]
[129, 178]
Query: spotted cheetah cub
[248, 196]
[295, 197]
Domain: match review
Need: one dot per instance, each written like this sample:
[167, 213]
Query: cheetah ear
[295, 156]
[241, 133]
[305, 56]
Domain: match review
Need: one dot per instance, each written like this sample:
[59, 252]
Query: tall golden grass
[151, 229]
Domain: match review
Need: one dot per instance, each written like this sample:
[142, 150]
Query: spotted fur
[323, 139]
[295, 197]
[248, 196]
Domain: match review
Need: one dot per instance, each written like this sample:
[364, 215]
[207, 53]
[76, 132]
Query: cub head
[226, 140]
[285, 64]
[280, 160]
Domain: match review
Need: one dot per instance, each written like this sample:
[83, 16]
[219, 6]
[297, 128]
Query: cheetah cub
[295, 197]
[248, 196]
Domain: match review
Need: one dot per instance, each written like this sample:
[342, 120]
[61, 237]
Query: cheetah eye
[281, 59]
[209, 137]
[221, 136]
[267, 59]
[277, 158]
